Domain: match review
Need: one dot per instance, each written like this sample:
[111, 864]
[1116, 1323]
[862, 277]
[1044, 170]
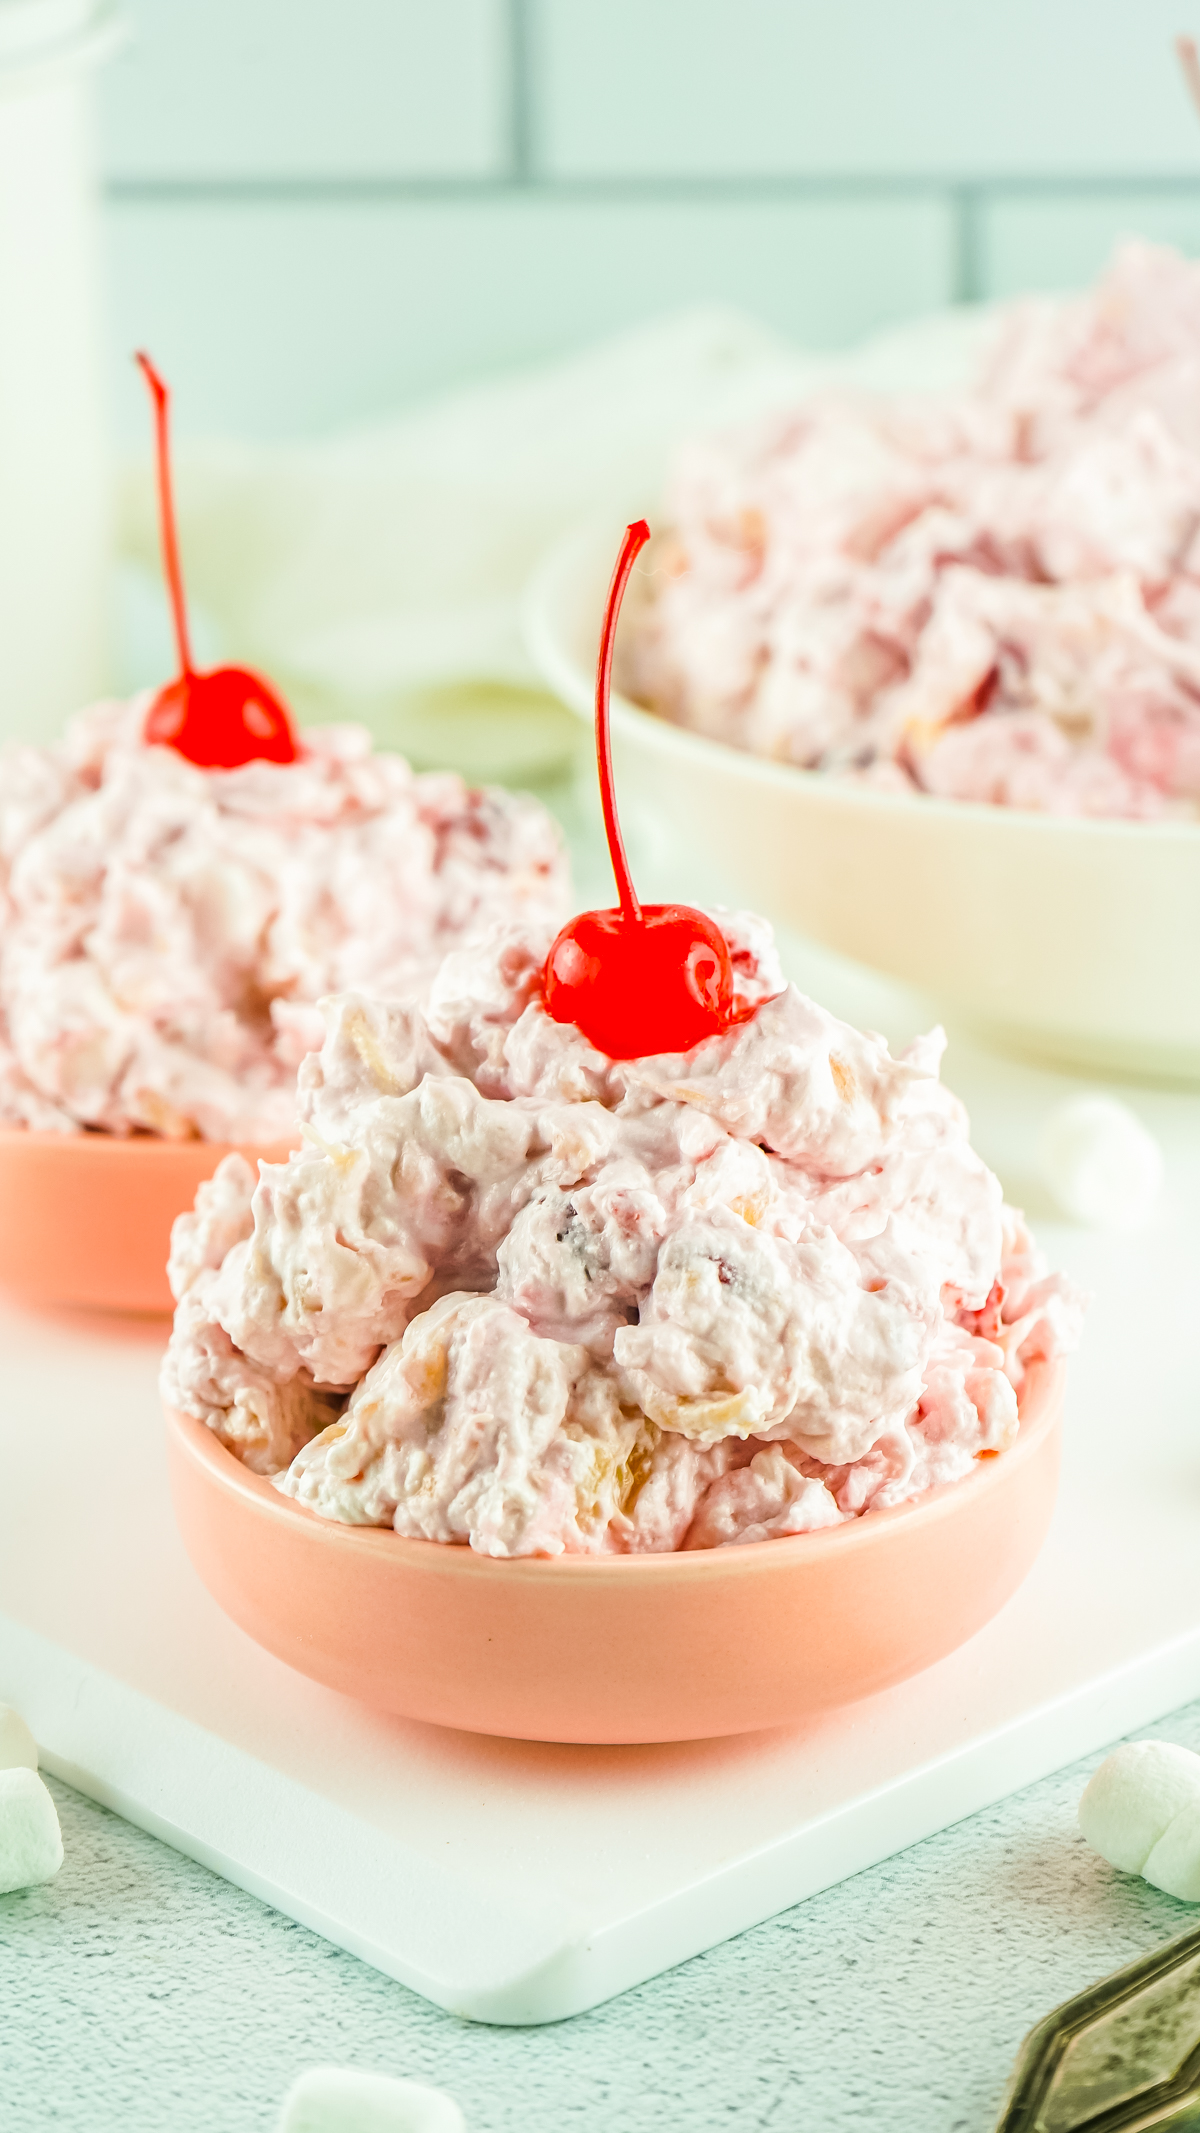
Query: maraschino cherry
[648, 977]
[229, 716]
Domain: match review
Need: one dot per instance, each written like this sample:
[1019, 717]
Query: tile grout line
[520, 93]
[967, 282]
[969, 196]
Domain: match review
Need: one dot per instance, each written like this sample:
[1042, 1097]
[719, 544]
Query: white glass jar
[55, 491]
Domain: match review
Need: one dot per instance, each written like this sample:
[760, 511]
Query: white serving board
[517, 1882]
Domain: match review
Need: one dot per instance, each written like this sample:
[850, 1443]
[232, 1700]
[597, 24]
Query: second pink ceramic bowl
[619, 1648]
[85, 1218]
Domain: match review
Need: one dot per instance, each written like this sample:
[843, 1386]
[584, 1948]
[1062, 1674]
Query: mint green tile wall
[228, 91]
[318, 209]
[278, 319]
[1034, 241]
[852, 88]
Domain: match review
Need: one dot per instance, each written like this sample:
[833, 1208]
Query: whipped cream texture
[165, 930]
[512, 1293]
[993, 598]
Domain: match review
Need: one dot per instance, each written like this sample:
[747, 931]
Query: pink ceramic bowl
[620, 1648]
[85, 1218]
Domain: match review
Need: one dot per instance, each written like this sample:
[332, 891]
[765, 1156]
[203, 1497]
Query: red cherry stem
[636, 537]
[1189, 60]
[166, 512]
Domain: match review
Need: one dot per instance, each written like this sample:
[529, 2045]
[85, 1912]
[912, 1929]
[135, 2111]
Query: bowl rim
[561, 566]
[162, 1144]
[1040, 1412]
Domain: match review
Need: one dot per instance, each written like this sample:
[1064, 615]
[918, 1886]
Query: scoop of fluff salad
[993, 597]
[166, 930]
[512, 1293]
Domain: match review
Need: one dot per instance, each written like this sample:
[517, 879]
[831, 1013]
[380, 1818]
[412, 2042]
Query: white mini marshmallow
[1100, 1163]
[18, 1748]
[1134, 1798]
[331, 2099]
[30, 1839]
[1174, 1864]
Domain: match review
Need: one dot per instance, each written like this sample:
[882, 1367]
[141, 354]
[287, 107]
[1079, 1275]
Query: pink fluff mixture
[511, 1293]
[165, 931]
[993, 598]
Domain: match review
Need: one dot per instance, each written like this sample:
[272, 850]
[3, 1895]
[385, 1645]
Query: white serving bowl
[1077, 940]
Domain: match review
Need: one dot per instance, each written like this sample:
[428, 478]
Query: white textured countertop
[139, 1992]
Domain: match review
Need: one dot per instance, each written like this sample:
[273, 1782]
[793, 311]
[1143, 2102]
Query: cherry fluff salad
[166, 928]
[992, 597]
[617, 1244]
[185, 875]
[514, 1293]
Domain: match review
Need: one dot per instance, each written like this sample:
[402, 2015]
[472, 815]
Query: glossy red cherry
[229, 716]
[648, 977]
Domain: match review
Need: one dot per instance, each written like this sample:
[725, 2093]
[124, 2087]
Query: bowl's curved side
[1071, 935]
[618, 1649]
[85, 1218]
